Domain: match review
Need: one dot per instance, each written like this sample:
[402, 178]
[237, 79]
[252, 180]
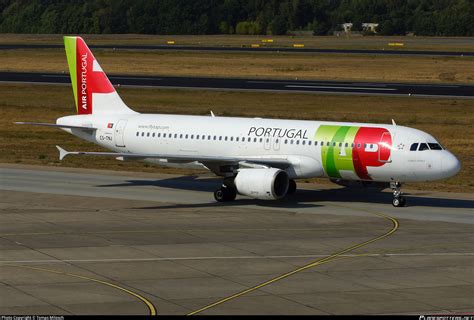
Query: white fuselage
[338, 150]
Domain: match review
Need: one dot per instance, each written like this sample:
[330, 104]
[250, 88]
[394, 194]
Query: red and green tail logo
[87, 77]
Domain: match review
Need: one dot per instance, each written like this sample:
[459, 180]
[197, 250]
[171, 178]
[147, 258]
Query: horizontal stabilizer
[56, 125]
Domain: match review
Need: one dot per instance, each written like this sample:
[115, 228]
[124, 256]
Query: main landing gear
[398, 199]
[227, 192]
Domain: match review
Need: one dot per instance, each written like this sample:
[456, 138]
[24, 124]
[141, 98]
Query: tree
[279, 25]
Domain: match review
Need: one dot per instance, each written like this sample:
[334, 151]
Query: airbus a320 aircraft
[259, 158]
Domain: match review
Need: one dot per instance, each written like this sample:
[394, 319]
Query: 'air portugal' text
[84, 81]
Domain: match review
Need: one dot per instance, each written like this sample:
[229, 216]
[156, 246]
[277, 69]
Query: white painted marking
[344, 88]
[244, 257]
[135, 78]
[320, 83]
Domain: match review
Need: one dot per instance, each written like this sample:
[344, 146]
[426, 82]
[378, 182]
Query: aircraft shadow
[301, 199]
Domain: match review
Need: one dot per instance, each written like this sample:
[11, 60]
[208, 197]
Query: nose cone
[451, 165]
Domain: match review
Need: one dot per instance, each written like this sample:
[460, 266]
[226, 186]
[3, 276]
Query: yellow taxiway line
[395, 226]
[150, 305]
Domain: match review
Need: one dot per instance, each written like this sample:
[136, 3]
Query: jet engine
[265, 184]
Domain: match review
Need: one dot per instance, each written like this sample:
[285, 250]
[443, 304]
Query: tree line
[321, 17]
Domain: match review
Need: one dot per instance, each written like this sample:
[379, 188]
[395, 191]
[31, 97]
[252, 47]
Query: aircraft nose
[451, 165]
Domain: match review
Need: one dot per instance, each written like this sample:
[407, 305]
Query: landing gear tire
[291, 187]
[224, 194]
[399, 202]
[398, 199]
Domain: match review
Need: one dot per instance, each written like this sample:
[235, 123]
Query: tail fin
[93, 92]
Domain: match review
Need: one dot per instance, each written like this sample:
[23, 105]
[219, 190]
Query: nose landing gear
[398, 199]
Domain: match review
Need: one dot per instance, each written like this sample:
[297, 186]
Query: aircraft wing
[244, 161]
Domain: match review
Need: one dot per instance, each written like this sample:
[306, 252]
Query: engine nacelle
[265, 184]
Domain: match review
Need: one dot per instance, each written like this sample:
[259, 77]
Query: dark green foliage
[395, 17]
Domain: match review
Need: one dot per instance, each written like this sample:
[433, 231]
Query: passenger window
[423, 147]
[277, 140]
[297, 142]
[340, 144]
[358, 145]
[327, 144]
[225, 138]
[147, 134]
[254, 139]
[286, 141]
[309, 143]
[158, 135]
[435, 146]
[334, 144]
[347, 144]
[261, 139]
[291, 141]
[352, 145]
[231, 138]
[192, 136]
[138, 133]
[220, 138]
[153, 135]
[143, 133]
[208, 137]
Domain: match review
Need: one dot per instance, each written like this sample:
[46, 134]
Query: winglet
[393, 122]
[62, 152]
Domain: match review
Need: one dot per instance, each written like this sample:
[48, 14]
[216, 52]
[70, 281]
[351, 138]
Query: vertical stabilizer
[93, 91]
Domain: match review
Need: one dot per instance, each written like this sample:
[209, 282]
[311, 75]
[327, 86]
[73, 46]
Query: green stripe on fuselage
[70, 46]
[334, 157]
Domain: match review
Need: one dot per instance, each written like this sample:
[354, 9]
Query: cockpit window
[423, 147]
[414, 147]
[435, 146]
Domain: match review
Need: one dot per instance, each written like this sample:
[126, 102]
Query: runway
[76, 241]
[305, 86]
[248, 49]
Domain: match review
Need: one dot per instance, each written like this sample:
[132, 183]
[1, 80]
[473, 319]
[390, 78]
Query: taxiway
[75, 241]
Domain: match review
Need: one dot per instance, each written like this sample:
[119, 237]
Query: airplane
[258, 158]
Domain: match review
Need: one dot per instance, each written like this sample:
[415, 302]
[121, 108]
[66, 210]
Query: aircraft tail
[93, 92]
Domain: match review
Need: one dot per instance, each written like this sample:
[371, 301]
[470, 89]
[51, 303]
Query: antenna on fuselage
[212, 114]
[393, 122]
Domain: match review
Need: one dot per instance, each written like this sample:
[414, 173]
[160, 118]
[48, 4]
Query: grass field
[255, 65]
[329, 42]
[448, 120]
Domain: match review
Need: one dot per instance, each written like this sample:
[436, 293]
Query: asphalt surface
[78, 241]
[335, 87]
[246, 49]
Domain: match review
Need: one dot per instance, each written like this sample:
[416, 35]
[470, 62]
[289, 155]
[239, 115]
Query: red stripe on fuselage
[362, 158]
